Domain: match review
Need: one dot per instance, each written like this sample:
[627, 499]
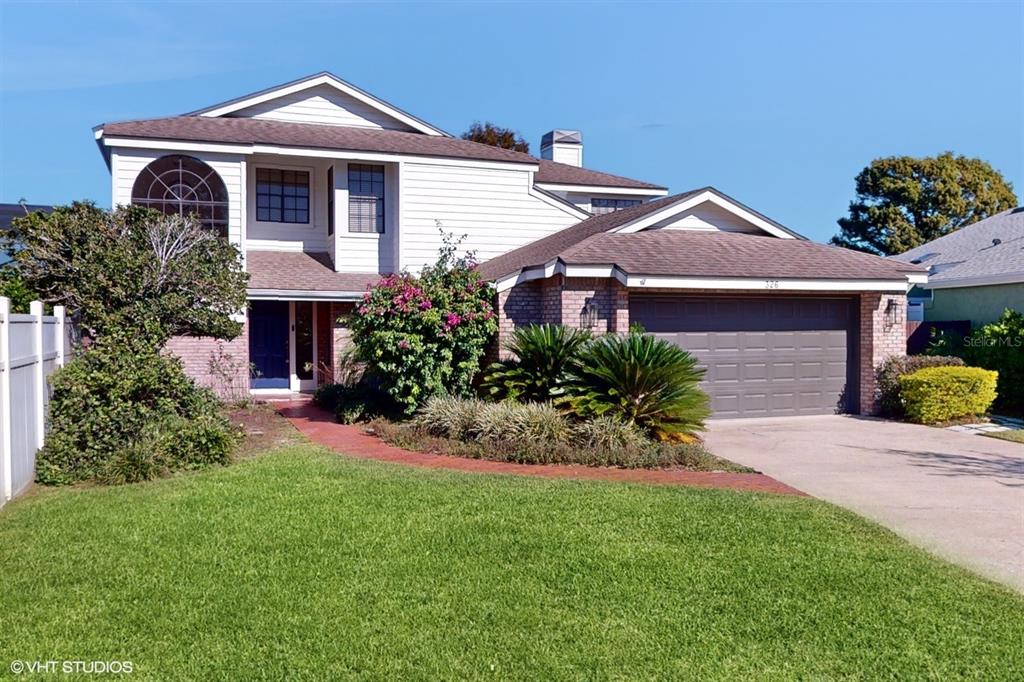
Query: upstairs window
[602, 206]
[183, 185]
[365, 198]
[282, 196]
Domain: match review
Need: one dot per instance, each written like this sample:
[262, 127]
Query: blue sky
[778, 105]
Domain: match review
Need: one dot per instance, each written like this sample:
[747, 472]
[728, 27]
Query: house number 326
[771, 284]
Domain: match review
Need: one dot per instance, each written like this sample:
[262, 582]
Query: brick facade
[883, 333]
[219, 365]
[560, 300]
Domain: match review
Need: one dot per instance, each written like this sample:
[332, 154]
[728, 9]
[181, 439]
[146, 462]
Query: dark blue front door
[268, 344]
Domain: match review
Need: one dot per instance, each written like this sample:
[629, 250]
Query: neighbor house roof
[990, 251]
[290, 271]
[9, 212]
[688, 253]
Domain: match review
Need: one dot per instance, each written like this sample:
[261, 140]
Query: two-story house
[324, 187]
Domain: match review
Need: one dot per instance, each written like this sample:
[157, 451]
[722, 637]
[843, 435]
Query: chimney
[563, 146]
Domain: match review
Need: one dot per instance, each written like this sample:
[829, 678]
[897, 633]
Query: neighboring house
[324, 187]
[9, 212]
[974, 273]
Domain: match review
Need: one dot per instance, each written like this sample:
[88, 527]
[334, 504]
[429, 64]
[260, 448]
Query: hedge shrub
[889, 372]
[121, 412]
[939, 394]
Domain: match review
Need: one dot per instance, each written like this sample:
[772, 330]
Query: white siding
[707, 217]
[493, 208]
[126, 164]
[362, 251]
[324, 105]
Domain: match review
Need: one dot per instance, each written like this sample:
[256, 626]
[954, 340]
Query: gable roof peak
[313, 80]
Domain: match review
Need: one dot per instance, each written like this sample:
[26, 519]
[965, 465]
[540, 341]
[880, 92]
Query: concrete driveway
[958, 495]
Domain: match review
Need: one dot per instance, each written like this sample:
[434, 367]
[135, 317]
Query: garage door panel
[763, 356]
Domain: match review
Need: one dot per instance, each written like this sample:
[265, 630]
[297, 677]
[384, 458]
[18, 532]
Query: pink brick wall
[880, 339]
[220, 365]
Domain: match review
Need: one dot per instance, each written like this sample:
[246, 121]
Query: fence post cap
[35, 308]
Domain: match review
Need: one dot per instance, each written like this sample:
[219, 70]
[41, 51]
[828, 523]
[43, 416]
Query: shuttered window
[365, 198]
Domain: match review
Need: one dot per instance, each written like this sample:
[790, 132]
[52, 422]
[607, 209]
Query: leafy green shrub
[537, 373]
[169, 445]
[121, 404]
[888, 377]
[999, 346]
[642, 380]
[424, 336]
[938, 394]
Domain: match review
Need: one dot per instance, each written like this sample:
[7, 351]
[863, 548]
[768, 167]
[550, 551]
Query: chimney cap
[561, 136]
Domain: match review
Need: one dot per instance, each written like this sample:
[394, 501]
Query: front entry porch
[289, 345]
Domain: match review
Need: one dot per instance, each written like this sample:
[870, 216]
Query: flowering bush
[424, 336]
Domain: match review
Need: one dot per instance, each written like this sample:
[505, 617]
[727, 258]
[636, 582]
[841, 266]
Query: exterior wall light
[588, 315]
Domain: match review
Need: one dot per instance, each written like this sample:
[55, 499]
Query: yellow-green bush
[939, 394]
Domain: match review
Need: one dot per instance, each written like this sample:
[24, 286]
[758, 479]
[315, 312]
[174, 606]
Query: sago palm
[643, 380]
[543, 354]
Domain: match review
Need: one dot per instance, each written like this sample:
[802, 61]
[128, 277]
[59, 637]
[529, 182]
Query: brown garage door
[765, 356]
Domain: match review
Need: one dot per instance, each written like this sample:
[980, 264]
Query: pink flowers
[426, 305]
[403, 344]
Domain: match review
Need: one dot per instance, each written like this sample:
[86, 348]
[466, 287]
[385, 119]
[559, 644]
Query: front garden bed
[686, 456]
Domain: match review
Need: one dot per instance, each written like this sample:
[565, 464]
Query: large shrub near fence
[130, 279]
[122, 412]
[939, 394]
[890, 402]
[999, 346]
[641, 380]
[424, 336]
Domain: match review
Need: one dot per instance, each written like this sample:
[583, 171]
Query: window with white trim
[365, 198]
[599, 206]
[282, 196]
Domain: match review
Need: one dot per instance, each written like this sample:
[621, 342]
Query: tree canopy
[131, 270]
[496, 136]
[904, 201]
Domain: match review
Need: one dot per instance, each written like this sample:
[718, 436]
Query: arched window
[183, 185]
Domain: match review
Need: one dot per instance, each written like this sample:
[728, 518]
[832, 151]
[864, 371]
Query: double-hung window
[365, 198]
[602, 206]
[282, 196]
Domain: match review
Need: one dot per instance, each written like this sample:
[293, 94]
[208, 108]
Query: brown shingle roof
[294, 271]
[685, 253]
[554, 173]
[286, 134]
[256, 131]
[546, 249]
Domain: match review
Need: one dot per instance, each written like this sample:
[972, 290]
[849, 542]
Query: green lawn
[1013, 436]
[304, 564]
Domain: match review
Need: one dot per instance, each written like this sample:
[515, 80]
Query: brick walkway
[320, 427]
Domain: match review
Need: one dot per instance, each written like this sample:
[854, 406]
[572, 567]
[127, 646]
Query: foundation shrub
[940, 394]
[890, 401]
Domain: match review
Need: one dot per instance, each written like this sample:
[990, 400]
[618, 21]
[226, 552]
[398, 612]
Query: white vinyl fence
[31, 347]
